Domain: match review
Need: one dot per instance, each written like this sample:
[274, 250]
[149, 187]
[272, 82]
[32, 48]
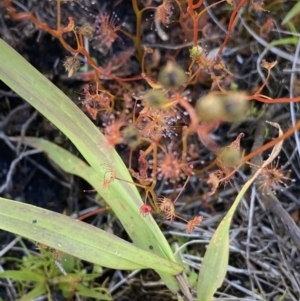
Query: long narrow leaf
[79, 239]
[68, 162]
[51, 102]
[292, 13]
[215, 262]
[23, 276]
[36, 292]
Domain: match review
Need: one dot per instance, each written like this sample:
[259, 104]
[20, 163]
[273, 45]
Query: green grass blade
[23, 276]
[78, 239]
[26, 81]
[73, 165]
[214, 265]
[92, 293]
[292, 13]
[39, 290]
[215, 262]
[284, 41]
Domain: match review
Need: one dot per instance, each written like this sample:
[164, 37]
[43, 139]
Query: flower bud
[155, 99]
[230, 107]
[172, 76]
[131, 136]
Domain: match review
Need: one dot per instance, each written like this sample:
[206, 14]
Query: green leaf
[292, 13]
[26, 81]
[57, 107]
[214, 265]
[215, 262]
[79, 239]
[97, 293]
[22, 276]
[284, 41]
[39, 290]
